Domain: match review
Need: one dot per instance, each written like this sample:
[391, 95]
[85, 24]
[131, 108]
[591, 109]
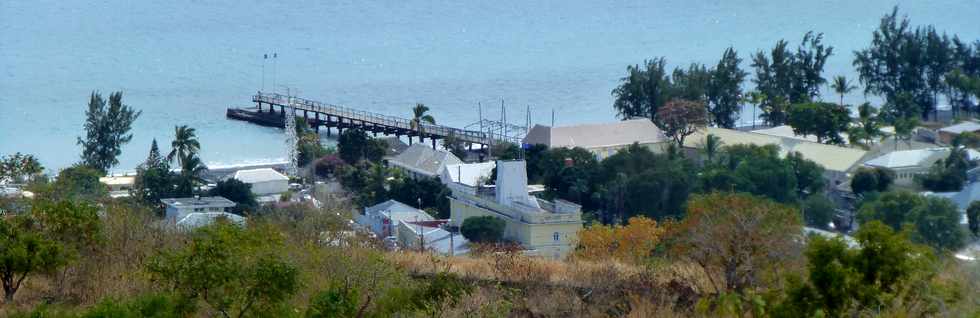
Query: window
[214, 209]
[198, 209]
[556, 236]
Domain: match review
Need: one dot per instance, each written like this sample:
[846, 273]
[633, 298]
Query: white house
[179, 208]
[199, 219]
[264, 181]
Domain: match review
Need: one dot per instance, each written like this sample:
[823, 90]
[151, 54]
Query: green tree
[818, 211]
[20, 168]
[935, 220]
[824, 120]
[76, 183]
[809, 174]
[937, 224]
[725, 89]
[643, 91]
[355, 145]
[238, 192]
[895, 63]
[681, 118]
[967, 139]
[106, 131]
[154, 180]
[867, 128]
[483, 229]
[336, 302]
[420, 117]
[712, 147]
[25, 251]
[842, 281]
[191, 169]
[236, 272]
[184, 145]
[947, 175]
[785, 77]
[842, 87]
[973, 217]
[871, 180]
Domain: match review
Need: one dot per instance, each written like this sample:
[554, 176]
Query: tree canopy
[106, 130]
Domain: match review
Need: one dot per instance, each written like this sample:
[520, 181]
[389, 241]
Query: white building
[264, 181]
[383, 218]
[177, 209]
[119, 186]
[470, 174]
[421, 161]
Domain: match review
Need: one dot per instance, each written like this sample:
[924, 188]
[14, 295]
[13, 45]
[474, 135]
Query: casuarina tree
[106, 130]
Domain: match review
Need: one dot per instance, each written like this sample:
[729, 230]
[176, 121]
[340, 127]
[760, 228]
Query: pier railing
[441, 131]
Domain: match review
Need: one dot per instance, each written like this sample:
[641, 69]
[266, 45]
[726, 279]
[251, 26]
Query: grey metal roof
[619, 133]
[422, 159]
[215, 201]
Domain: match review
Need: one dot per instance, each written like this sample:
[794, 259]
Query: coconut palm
[191, 168]
[185, 144]
[712, 146]
[842, 86]
[419, 116]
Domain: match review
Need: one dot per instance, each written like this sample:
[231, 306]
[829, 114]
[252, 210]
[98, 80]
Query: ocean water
[186, 61]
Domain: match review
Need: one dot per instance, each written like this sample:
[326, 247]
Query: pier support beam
[433, 143]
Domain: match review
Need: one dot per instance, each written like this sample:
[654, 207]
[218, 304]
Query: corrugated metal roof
[215, 201]
[961, 127]
[909, 158]
[587, 136]
[833, 158]
[422, 159]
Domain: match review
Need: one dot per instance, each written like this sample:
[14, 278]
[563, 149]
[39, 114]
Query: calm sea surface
[184, 62]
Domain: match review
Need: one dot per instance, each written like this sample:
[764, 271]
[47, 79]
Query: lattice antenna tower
[291, 139]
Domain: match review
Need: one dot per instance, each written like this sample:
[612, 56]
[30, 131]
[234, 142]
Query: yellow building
[544, 228]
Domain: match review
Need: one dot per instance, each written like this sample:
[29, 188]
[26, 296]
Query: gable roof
[421, 159]
[833, 158]
[259, 175]
[397, 211]
[961, 127]
[215, 201]
[587, 136]
[909, 158]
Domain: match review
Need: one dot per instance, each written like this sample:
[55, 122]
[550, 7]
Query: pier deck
[319, 114]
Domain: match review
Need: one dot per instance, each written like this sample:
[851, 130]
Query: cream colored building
[544, 228]
[603, 140]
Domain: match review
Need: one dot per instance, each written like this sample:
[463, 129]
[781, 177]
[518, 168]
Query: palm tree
[712, 145]
[418, 117]
[842, 86]
[191, 168]
[185, 144]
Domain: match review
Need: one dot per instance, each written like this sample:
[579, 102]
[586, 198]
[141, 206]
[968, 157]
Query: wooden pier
[319, 114]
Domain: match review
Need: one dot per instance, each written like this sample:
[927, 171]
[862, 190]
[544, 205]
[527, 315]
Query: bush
[818, 211]
[238, 192]
[328, 166]
[483, 229]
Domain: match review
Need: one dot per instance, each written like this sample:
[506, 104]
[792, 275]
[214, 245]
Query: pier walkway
[333, 116]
